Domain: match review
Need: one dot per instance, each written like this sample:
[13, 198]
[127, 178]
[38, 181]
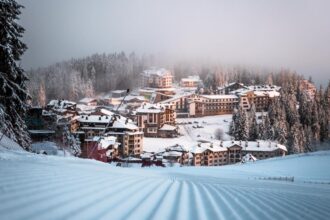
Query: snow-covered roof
[172, 154]
[267, 93]
[167, 127]
[158, 72]
[265, 88]
[61, 104]
[175, 97]
[197, 149]
[217, 146]
[220, 96]
[240, 91]
[120, 122]
[260, 145]
[231, 84]
[118, 91]
[150, 108]
[177, 147]
[105, 142]
[191, 79]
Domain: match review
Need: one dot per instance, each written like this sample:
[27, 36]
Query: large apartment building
[127, 133]
[229, 152]
[192, 105]
[157, 78]
[156, 120]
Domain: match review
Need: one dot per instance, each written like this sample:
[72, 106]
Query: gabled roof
[61, 104]
[150, 108]
[167, 127]
[119, 122]
[158, 72]
[259, 145]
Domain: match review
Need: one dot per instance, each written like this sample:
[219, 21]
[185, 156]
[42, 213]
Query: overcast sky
[292, 34]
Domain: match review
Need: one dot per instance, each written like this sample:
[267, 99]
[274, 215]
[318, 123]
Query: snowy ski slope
[49, 187]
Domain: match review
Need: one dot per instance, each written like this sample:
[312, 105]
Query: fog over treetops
[292, 34]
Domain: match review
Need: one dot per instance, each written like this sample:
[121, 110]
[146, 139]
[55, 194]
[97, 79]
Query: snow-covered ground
[191, 130]
[50, 187]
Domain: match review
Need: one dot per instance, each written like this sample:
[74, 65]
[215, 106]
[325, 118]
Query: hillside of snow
[7, 143]
[50, 187]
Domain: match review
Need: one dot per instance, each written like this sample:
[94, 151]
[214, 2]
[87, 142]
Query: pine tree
[268, 132]
[72, 143]
[253, 132]
[13, 91]
[241, 125]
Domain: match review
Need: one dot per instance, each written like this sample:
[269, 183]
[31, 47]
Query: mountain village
[157, 124]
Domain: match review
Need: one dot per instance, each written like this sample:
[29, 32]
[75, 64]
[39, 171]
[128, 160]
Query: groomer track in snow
[49, 187]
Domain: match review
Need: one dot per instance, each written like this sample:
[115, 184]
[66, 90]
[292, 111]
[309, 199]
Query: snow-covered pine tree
[261, 127]
[13, 91]
[268, 132]
[242, 127]
[71, 142]
[308, 138]
[233, 123]
[253, 132]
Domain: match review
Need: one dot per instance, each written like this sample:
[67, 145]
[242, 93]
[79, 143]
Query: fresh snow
[191, 135]
[7, 143]
[47, 187]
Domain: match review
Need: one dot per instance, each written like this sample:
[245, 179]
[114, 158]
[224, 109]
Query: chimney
[258, 143]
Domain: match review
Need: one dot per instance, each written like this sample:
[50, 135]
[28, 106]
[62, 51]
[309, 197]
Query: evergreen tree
[268, 132]
[13, 92]
[253, 132]
[241, 125]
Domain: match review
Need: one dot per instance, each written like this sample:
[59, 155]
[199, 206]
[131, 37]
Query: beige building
[157, 78]
[192, 105]
[190, 81]
[156, 120]
[230, 152]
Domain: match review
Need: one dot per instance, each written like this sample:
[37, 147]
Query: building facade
[157, 78]
[156, 120]
[231, 152]
[190, 82]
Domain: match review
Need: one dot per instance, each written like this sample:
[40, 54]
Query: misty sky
[292, 34]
